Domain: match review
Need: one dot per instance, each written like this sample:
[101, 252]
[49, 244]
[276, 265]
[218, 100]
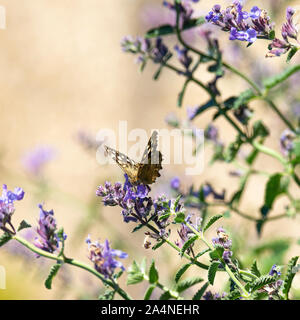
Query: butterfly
[145, 171]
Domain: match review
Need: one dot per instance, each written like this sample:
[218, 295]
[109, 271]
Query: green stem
[73, 262]
[228, 270]
[234, 70]
[173, 294]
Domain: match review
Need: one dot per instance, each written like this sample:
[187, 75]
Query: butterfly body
[145, 171]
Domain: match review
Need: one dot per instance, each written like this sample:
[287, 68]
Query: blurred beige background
[62, 70]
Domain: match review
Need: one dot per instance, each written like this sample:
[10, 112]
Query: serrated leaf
[165, 296]
[187, 283]
[212, 270]
[290, 274]
[217, 253]
[23, 225]
[202, 253]
[153, 273]
[149, 292]
[181, 271]
[233, 149]
[261, 282]
[53, 271]
[233, 295]
[198, 295]
[211, 221]
[187, 244]
[254, 269]
[135, 275]
[4, 239]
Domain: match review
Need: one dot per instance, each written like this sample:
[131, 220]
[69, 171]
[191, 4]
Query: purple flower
[192, 112]
[223, 240]
[249, 35]
[255, 13]
[287, 141]
[210, 296]
[159, 51]
[103, 257]
[175, 183]
[183, 57]
[275, 271]
[48, 239]
[239, 24]
[7, 207]
[209, 190]
[288, 28]
[35, 160]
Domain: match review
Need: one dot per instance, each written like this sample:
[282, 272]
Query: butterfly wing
[129, 166]
[151, 161]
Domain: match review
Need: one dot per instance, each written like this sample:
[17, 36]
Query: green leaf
[212, 270]
[23, 225]
[233, 295]
[233, 149]
[180, 216]
[211, 221]
[4, 238]
[187, 283]
[160, 31]
[157, 245]
[290, 274]
[135, 274]
[277, 79]
[187, 244]
[254, 269]
[217, 253]
[165, 296]
[271, 35]
[53, 271]
[259, 130]
[181, 271]
[138, 227]
[149, 292]
[198, 295]
[276, 185]
[261, 282]
[291, 53]
[167, 29]
[153, 274]
[243, 98]
[252, 156]
[202, 253]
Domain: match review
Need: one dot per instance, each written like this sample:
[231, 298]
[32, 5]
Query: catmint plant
[186, 223]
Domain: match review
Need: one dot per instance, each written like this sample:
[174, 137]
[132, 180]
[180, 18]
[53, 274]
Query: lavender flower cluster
[7, 207]
[242, 25]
